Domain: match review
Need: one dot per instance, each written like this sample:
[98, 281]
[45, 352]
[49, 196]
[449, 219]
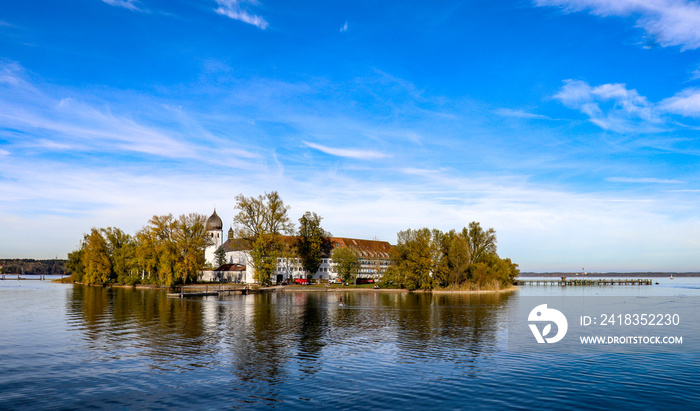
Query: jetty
[19, 277]
[207, 290]
[585, 281]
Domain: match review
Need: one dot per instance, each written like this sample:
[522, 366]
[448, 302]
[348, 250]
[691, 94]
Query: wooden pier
[586, 281]
[16, 277]
[207, 290]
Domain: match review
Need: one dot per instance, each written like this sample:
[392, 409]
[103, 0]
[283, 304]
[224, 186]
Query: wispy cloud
[686, 103]
[611, 106]
[357, 154]
[643, 180]
[344, 28]
[235, 9]
[670, 22]
[127, 4]
[616, 108]
[52, 123]
[4, 152]
[506, 112]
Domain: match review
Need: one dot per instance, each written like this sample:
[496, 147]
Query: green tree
[261, 222]
[122, 250]
[312, 243]
[220, 256]
[347, 263]
[413, 261]
[75, 264]
[425, 258]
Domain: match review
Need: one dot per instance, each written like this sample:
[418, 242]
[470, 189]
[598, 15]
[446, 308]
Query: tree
[261, 222]
[427, 258]
[161, 239]
[220, 256]
[481, 243]
[413, 261]
[190, 240]
[266, 214]
[122, 249]
[75, 263]
[96, 258]
[347, 263]
[312, 243]
[172, 249]
[458, 260]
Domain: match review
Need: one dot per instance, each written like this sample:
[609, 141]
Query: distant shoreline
[612, 274]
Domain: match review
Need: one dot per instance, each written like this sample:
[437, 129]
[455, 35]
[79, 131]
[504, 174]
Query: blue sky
[571, 127]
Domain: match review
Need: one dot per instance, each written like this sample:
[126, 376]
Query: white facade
[374, 256]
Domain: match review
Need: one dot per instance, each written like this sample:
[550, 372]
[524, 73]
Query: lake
[73, 347]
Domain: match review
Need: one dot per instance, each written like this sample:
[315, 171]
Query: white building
[374, 256]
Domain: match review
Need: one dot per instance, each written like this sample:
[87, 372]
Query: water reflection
[119, 322]
[263, 344]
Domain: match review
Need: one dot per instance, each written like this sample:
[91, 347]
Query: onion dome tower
[215, 231]
[214, 222]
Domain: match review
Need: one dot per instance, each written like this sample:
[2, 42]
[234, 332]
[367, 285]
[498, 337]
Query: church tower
[215, 231]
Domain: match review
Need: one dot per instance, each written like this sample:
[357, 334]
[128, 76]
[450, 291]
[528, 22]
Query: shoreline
[396, 290]
[512, 288]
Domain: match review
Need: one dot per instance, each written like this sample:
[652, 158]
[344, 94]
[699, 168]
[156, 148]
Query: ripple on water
[121, 348]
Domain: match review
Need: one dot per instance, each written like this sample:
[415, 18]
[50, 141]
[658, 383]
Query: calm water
[68, 347]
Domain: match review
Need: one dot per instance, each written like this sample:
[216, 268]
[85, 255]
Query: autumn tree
[261, 222]
[190, 240]
[96, 258]
[157, 250]
[172, 250]
[458, 257]
[347, 263]
[481, 242]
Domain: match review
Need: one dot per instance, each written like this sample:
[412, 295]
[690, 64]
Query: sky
[569, 126]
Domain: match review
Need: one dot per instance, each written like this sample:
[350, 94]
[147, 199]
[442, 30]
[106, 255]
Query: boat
[671, 278]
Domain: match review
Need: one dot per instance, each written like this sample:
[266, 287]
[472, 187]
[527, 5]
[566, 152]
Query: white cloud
[344, 28]
[127, 4]
[506, 112]
[4, 152]
[68, 124]
[616, 108]
[623, 110]
[234, 9]
[643, 180]
[686, 102]
[671, 22]
[357, 154]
